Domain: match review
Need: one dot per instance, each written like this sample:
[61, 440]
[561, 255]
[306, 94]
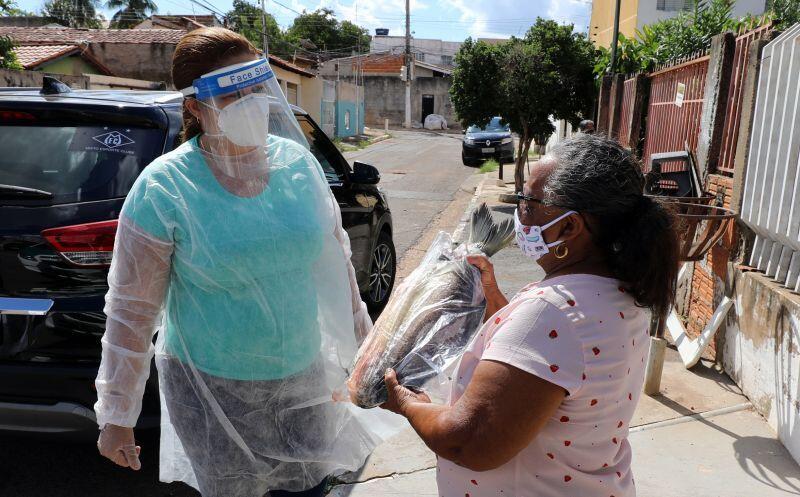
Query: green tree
[323, 29]
[474, 97]
[131, 12]
[526, 81]
[245, 19]
[784, 13]
[73, 13]
[9, 8]
[8, 59]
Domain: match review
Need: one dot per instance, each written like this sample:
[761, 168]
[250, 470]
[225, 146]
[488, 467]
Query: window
[324, 151]
[347, 120]
[291, 93]
[420, 56]
[447, 60]
[76, 163]
[673, 5]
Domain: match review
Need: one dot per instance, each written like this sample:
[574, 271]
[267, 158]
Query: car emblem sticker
[488, 142]
[113, 139]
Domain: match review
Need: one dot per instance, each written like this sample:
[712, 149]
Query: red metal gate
[628, 94]
[733, 113]
[672, 121]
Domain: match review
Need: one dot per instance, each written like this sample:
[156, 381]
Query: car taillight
[88, 244]
[15, 115]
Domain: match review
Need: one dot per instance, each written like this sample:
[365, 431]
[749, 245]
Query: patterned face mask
[530, 239]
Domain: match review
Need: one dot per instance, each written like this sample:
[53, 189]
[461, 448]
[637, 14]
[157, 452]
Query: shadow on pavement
[759, 458]
[43, 467]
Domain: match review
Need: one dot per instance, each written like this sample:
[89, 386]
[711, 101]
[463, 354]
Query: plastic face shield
[241, 105]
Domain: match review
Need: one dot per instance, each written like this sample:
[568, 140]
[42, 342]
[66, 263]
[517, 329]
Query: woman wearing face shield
[544, 394]
[231, 246]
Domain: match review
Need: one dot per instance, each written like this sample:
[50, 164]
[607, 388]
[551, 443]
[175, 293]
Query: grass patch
[344, 146]
[489, 166]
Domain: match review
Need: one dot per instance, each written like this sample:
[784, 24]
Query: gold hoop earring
[562, 255]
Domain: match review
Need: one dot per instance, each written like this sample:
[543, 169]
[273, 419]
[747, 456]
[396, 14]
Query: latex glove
[117, 443]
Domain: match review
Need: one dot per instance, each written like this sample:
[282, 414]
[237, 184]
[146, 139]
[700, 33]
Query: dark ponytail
[199, 52]
[598, 177]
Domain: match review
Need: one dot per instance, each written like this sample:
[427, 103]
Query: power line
[208, 6]
[287, 8]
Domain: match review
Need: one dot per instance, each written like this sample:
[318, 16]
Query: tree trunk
[522, 157]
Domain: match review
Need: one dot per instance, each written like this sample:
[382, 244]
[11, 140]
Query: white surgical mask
[245, 121]
[530, 239]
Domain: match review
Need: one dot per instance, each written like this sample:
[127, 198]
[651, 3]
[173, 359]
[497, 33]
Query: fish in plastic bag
[432, 315]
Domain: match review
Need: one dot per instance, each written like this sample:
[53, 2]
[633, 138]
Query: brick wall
[383, 64]
[709, 275]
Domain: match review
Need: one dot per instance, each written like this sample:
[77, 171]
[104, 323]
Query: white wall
[761, 352]
[563, 131]
[648, 14]
[434, 50]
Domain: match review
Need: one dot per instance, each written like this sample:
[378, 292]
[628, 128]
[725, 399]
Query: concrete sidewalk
[699, 438]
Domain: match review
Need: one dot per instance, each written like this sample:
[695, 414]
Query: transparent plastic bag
[431, 317]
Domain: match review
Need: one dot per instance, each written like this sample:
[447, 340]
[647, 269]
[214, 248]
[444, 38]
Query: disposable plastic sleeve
[137, 283]
[363, 323]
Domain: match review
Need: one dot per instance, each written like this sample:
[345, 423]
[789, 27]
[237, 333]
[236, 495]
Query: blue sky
[441, 19]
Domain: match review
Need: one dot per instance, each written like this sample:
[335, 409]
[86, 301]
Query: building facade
[436, 52]
[384, 90]
[634, 14]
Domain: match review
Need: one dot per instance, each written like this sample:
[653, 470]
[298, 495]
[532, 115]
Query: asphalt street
[421, 173]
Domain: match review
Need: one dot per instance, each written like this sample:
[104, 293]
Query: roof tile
[52, 36]
[34, 55]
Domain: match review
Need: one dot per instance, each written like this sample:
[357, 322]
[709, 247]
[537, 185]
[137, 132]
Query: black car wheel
[381, 273]
[468, 162]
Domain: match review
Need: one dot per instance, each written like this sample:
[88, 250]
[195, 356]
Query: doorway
[427, 107]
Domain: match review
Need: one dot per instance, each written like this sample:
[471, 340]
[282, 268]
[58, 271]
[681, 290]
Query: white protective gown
[248, 282]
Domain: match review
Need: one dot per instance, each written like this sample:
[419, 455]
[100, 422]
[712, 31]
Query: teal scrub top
[242, 301]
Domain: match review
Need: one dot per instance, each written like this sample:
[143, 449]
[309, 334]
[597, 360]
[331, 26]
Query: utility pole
[264, 40]
[615, 39]
[408, 65]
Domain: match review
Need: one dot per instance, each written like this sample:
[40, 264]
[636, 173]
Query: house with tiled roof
[72, 59]
[143, 54]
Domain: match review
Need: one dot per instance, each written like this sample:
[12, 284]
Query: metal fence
[674, 109]
[771, 200]
[733, 113]
[625, 113]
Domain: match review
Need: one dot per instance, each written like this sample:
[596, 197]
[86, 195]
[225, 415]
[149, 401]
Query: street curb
[462, 225]
[507, 198]
[693, 417]
[379, 139]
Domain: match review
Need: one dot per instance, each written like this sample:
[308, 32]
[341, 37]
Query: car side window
[324, 151]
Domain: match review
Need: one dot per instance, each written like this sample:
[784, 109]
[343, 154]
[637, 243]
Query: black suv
[493, 141]
[67, 160]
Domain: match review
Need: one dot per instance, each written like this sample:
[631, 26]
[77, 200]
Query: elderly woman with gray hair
[542, 399]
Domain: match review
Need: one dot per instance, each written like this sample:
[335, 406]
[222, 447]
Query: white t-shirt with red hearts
[585, 334]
